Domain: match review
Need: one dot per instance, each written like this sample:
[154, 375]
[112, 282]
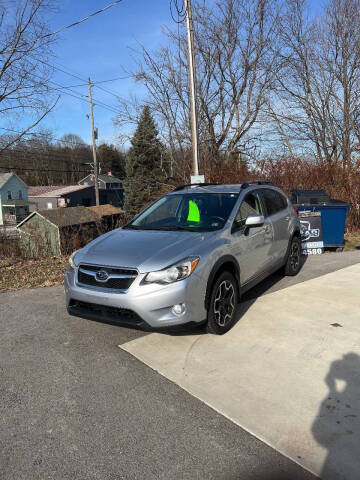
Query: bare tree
[24, 45]
[316, 106]
[236, 61]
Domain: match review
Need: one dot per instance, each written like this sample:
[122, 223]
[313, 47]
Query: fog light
[178, 309]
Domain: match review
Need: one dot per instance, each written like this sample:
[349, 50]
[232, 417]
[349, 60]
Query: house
[110, 189]
[60, 231]
[14, 203]
[47, 198]
[57, 231]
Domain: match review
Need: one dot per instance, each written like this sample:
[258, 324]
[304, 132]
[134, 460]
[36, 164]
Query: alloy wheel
[224, 304]
[295, 255]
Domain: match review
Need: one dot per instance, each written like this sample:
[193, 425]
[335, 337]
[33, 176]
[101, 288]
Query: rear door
[277, 212]
[249, 245]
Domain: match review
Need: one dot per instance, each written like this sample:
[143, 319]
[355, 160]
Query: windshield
[188, 211]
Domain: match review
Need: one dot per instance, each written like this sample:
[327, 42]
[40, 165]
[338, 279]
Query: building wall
[80, 197]
[114, 197]
[15, 186]
[73, 199]
[39, 237]
[41, 203]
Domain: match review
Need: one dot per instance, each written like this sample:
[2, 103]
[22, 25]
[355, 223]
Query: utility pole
[96, 171]
[192, 81]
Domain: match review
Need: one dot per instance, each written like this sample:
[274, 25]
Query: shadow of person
[337, 425]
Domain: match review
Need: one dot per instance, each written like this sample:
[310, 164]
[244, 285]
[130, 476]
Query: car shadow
[247, 300]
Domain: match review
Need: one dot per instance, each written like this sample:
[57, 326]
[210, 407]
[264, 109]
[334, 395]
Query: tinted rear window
[274, 201]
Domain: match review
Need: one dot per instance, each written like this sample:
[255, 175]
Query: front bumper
[142, 305]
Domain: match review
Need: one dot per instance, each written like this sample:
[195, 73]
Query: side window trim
[262, 203]
[234, 227]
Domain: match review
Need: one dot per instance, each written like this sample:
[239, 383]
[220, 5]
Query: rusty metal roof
[104, 210]
[66, 217]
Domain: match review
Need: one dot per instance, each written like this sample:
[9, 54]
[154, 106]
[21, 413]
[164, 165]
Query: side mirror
[254, 220]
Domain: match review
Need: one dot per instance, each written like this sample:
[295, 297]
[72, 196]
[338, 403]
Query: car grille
[80, 308]
[115, 279]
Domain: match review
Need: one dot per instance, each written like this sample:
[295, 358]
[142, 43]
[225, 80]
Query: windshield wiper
[129, 226]
[167, 228]
[170, 228]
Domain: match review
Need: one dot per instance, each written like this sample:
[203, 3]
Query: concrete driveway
[73, 405]
[288, 372]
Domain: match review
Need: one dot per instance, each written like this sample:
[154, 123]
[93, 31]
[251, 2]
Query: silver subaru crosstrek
[187, 258]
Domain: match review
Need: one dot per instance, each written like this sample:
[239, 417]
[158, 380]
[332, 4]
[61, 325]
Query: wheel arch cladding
[297, 232]
[226, 263]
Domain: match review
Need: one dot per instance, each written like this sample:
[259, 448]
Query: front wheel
[293, 262]
[222, 305]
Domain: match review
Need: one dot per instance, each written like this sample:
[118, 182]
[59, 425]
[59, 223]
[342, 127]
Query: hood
[146, 250]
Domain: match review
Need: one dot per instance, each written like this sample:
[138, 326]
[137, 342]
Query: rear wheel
[222, 305]
[293, 262]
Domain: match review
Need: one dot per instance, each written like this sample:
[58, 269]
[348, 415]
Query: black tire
[293, 261]
[222, 306]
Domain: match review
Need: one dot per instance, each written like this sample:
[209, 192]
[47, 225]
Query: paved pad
[288, 372]
[74, 407]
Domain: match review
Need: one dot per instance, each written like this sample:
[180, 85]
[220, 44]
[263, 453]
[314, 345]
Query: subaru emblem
[102, 276]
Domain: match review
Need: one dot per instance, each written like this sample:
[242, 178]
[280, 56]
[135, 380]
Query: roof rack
[181, 187]
[255, 182]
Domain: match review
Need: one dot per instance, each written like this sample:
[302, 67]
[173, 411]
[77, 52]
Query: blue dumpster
[333, 214]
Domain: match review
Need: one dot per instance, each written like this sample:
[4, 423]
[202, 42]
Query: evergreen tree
[111, 160]
[144, 177]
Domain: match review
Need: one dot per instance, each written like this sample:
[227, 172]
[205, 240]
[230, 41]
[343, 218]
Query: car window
[251, 205]
[274, 201]
[166, 208]
[283, 201]
[187, 211]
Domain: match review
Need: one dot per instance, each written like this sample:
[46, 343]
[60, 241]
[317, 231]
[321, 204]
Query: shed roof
[104, 210]
[66, 217]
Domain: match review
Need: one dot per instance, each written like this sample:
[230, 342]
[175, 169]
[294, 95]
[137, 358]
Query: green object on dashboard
[194, 214]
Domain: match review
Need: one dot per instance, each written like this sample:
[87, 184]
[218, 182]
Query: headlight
[176, 272]
[71, 259]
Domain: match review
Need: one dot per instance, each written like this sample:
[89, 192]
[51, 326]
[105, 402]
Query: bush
[9, 246]
[338, 182]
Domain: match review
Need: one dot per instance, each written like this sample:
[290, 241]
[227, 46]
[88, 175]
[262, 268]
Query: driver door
[248, 245]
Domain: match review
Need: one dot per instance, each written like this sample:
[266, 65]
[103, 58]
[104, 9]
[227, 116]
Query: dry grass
[16, 274]
[352, 240]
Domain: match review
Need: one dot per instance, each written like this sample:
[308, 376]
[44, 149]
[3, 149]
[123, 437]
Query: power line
[42, 171]
[42, 135]
[96, 102]
[95, 84]
[77, 75]
[181, 13]
[83, 19]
